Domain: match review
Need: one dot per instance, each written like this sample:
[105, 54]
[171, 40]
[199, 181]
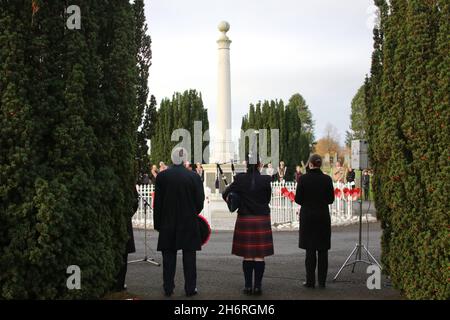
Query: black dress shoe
[322, 285]
[191, 294]
[168, 293]
[257, 291]
[308, 285]
[247, 291]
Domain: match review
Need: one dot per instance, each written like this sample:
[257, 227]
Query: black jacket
[297, 176]
[152, 178]
[314, 193]
[366, 181]
[351, 176]
[145, 179]
[179, 198]
[253, 201]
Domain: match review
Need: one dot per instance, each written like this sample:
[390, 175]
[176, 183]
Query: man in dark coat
[130, 247]
[314, 193]
[366, 184]
[350, 177]
[179, 198]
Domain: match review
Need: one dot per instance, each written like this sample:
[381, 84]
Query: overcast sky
[319, 48]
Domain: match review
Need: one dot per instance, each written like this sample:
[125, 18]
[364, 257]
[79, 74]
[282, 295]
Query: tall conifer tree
[68, 127]
[407, 111]
[180, 112]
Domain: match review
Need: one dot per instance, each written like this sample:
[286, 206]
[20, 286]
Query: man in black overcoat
[314, 193]
[179, 198]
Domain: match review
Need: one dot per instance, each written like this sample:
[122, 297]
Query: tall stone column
[223, 147]
[224, 151]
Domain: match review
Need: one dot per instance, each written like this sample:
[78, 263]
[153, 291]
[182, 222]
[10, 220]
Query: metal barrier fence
[283, 209]
[147, 192]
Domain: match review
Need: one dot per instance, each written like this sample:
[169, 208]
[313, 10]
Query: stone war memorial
[224, 152]
[295, 151]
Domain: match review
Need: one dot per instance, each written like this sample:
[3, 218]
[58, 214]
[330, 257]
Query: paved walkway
[220, 274]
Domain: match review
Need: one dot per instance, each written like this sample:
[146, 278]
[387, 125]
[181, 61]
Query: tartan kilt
[253, 237]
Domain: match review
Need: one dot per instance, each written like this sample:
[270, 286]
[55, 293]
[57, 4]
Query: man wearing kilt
[252, 238]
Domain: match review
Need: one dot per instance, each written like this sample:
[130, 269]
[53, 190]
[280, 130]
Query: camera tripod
[359, 247]
[146, 258]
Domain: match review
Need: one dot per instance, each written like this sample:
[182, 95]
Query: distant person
[270, 171]
[338, 173]
[153, 174]
[350, 177]
[252, 238]
[145, 179]
[179, 198]
[314, 193]
[199, 170]
[281, 173]
[162, 166]
[366, 184]
[188, 165]
[298, 173]
[307, 167]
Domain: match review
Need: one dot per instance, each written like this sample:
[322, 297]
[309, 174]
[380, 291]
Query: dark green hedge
[67, 145]
[409, 116]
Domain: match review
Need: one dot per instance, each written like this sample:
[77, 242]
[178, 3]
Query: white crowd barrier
[147, 192]
[283, 209]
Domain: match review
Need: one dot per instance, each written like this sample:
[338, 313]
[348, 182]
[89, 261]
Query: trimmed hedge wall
[409, 116]
[67, 141]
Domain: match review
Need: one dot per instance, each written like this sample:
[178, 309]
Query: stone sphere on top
[224, 26]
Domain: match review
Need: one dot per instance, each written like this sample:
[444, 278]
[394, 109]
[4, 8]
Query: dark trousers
[189, 268]
[120, 280]
[317, 258]
[366, 194]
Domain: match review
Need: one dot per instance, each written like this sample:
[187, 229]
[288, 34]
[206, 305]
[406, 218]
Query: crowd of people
[339, 174]
[150, 178]
[342, 175]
